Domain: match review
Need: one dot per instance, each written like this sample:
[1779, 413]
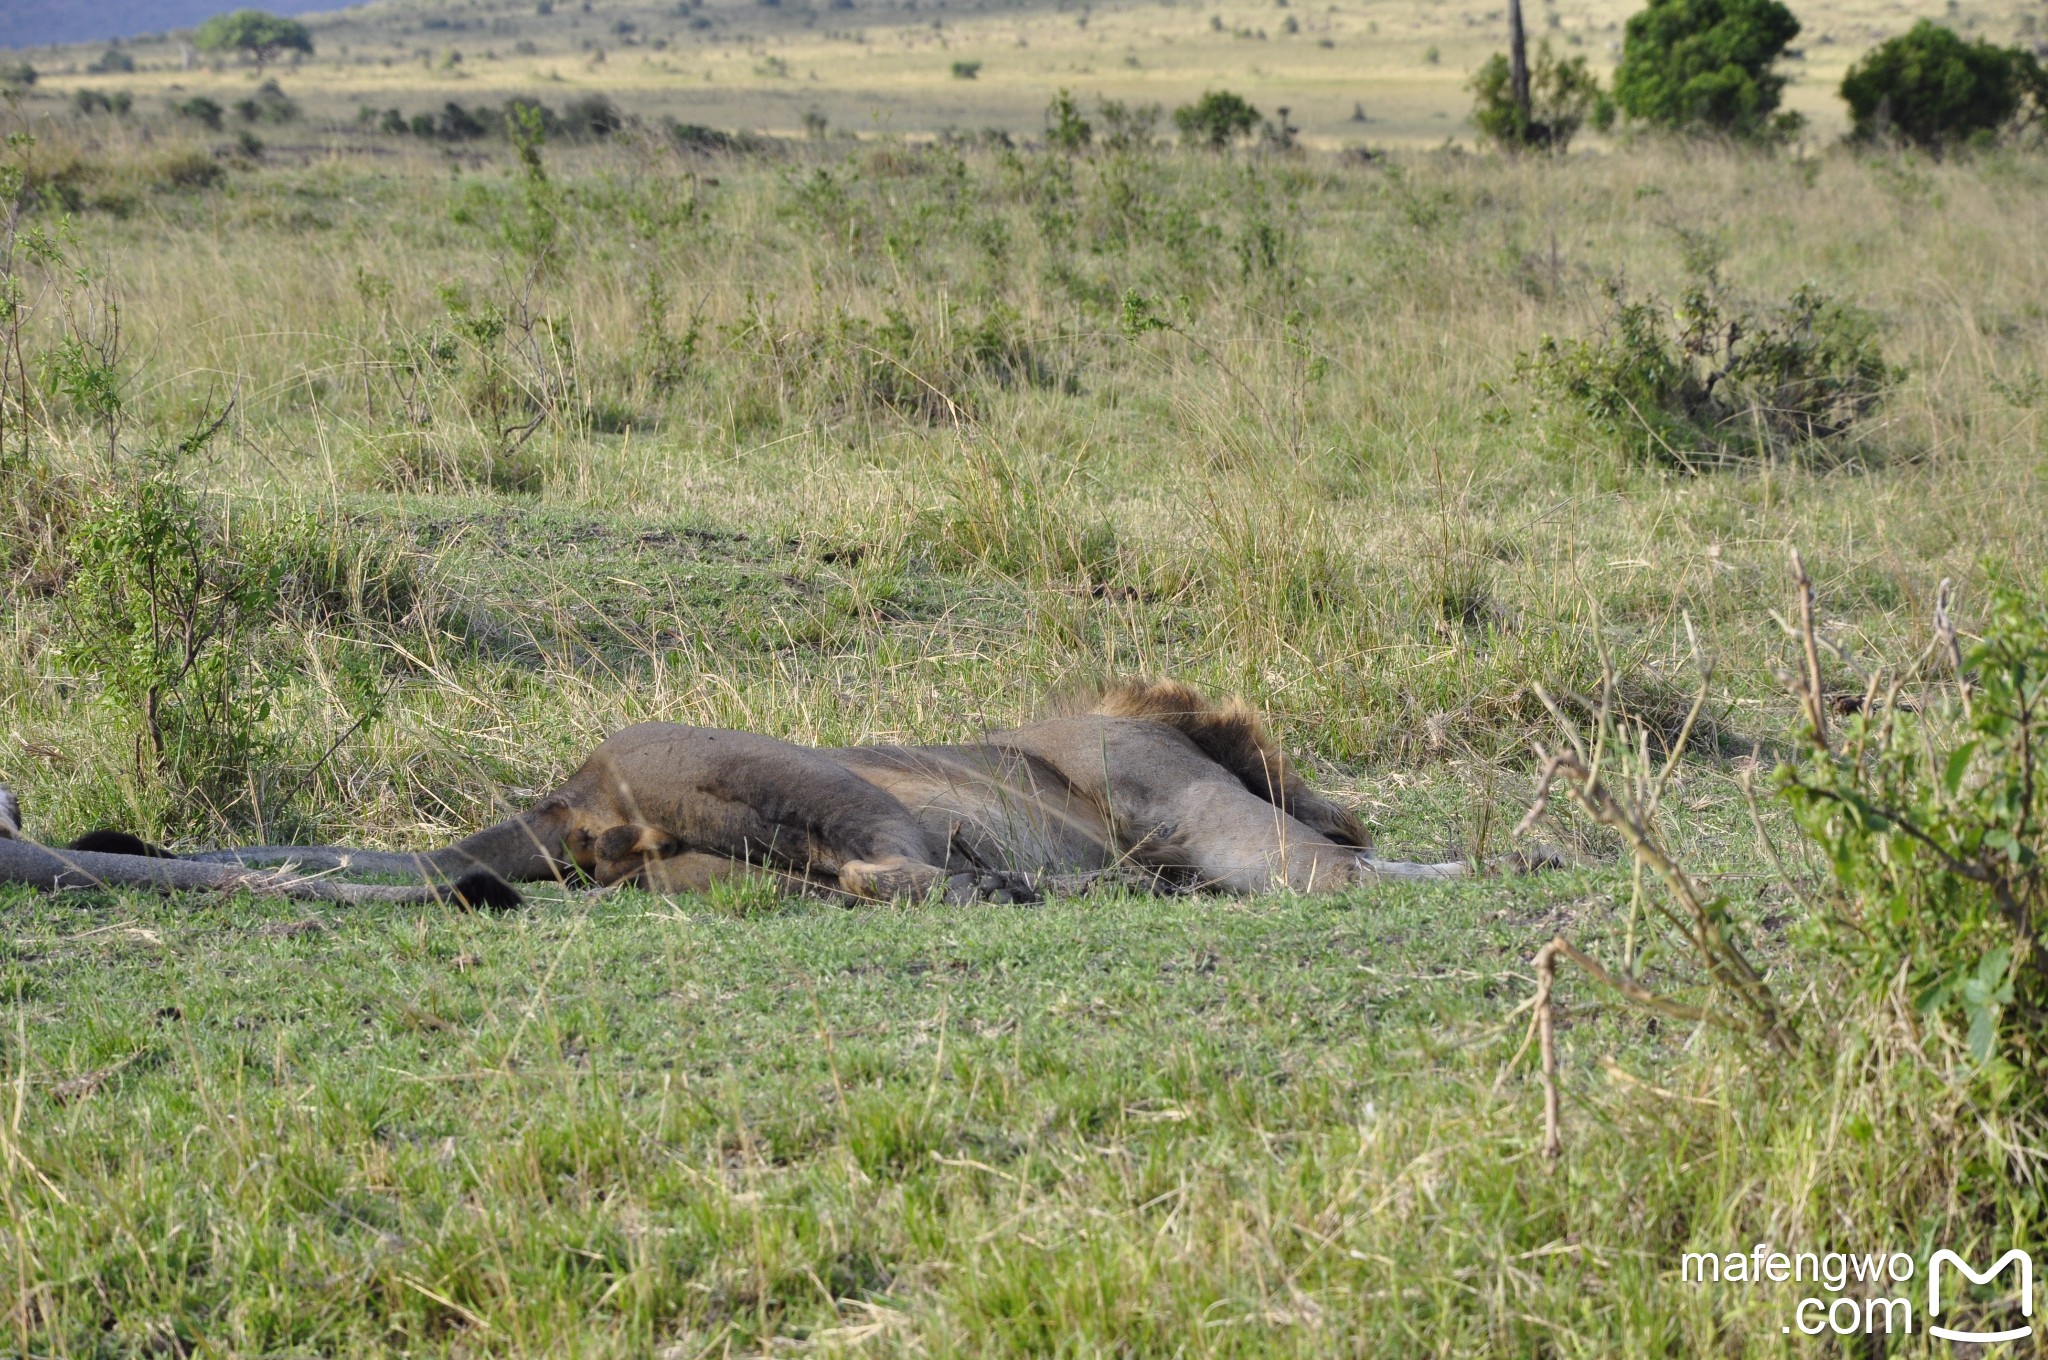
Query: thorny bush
[1932, 818]
[1713, 381]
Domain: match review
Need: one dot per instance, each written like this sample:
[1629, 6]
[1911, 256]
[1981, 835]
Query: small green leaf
[1983, 1034]
[1958, 766]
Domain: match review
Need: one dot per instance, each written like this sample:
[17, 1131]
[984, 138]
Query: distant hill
[37, 23]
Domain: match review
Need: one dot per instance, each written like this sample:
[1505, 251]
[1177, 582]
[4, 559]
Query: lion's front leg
[908, 880]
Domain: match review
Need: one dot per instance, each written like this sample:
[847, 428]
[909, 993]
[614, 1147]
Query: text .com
[1855, 1287]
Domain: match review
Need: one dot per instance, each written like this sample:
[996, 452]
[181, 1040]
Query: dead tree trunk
[1518, 64]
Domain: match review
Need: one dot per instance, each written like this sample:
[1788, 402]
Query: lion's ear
[10, 814]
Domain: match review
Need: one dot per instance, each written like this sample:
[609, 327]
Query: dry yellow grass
[888, 68]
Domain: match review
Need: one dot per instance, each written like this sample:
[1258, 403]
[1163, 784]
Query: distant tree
[1706, 65]
[1215, 120]
[113, 61]
[1562, 96]
[255, 33]
[1932, 89]
[17, 75]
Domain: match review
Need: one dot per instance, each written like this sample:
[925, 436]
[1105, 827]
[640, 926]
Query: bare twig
[1698, 918]
[1629, 987]
[1816, 705]
[1945, 640]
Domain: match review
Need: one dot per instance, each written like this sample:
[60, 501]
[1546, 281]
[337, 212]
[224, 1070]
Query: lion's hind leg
[641, 856]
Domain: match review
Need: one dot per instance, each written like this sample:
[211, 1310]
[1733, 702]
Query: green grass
[616, 1125]
[852, 443]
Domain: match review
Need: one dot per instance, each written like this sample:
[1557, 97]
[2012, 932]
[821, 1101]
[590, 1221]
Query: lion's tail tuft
[485, 891]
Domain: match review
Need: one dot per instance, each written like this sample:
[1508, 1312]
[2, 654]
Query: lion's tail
[1232, 735]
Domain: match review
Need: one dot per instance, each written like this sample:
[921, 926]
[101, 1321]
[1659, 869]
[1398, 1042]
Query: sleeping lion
[1147, 781]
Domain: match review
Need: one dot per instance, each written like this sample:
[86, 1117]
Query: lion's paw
[997, 886]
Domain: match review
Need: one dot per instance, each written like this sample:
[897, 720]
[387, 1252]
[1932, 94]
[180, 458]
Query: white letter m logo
[1934, 1265]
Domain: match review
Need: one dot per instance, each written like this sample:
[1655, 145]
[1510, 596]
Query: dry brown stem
[1543, 1026]
[1816, 704]
[1546, 1037]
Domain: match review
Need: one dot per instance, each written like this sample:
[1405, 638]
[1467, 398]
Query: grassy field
[859, 442]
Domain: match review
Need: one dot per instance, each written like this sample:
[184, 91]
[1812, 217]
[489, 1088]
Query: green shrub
[270, 104]
[591, 116]
[188, 169]
[1706, 65]
[1932, 819]
[1562, 96]
[1215, 120]
[89, 101]
[200, 109]
[166, 605]
[966, 70]
[113, 61]
[1932, 89]
[458, 124]
[709, 140]
[1127, 127]
[17, 75]
[1065, 129]
[1708, 380]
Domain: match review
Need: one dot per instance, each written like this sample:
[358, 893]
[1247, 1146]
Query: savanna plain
[487, 452]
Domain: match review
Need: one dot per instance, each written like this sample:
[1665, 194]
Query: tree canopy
[260, 35]
[1931, 88]
[1705, 64]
